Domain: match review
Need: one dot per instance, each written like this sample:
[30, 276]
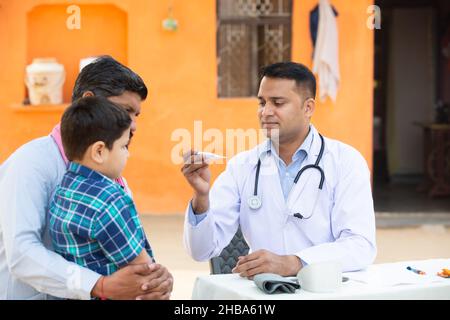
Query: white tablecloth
[381, 281]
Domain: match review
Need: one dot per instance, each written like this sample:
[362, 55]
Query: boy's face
[117, 157]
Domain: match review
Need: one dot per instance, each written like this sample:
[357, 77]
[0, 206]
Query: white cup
[321, 277]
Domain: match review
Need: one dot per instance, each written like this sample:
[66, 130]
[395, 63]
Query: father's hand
[158, 285]
[263, 261]
[142, 281]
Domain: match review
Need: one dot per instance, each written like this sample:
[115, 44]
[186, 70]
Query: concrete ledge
[406, 220]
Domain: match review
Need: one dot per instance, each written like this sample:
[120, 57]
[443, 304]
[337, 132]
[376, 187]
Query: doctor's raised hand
[197, 173]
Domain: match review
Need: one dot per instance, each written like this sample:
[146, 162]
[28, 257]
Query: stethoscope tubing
[297, 177]
[300, 172]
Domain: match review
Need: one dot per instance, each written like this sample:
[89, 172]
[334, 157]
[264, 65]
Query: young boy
[93, 221]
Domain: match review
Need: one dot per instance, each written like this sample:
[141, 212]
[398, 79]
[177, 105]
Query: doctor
[298, 197]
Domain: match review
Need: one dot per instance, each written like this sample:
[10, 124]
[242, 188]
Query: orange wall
[180, 71]
[47, 35]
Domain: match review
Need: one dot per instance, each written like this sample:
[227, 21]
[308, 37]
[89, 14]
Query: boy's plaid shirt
[94, 223]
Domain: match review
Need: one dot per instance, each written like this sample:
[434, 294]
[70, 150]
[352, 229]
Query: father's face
[131, 102]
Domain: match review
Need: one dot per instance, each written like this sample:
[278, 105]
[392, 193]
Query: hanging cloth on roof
[326, 51]
[314, 22]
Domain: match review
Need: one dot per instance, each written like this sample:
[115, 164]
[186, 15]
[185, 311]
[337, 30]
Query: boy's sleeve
[119, 232]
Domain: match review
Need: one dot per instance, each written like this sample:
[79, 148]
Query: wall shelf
[103, 30]
[43, 108]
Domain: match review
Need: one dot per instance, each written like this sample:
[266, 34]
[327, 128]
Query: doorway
[410, 82]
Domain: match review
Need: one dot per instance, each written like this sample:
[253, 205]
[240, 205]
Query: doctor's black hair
[89, 120]
[303, 77]
[107, 77]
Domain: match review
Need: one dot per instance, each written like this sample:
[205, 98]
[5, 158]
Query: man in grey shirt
[29, 269]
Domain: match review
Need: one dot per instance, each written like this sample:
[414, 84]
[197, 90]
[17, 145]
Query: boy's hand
[143, 281]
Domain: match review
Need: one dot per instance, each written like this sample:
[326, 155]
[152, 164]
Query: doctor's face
[284, 109]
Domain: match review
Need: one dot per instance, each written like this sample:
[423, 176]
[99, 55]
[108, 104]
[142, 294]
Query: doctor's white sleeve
[352, 220]
[24, 195]
[206, 236]
[194, 219]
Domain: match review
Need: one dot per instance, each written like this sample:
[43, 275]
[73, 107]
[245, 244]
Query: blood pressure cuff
[271, 283]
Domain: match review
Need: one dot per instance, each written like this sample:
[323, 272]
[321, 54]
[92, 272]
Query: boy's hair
[303, 77]
[89, 120]
[107, 77]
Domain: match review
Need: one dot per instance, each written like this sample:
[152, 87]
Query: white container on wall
[85, 61]
[45, 79]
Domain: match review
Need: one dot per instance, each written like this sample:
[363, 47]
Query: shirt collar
[305, 146]
[87, 172]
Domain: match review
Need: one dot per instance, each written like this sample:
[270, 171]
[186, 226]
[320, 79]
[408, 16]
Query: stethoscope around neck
[255, 201]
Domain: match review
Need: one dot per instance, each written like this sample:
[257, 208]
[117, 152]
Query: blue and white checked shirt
[94, 223]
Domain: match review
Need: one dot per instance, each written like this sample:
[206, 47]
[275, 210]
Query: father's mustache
[131, 139]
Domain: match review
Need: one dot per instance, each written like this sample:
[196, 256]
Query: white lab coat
[342, 226]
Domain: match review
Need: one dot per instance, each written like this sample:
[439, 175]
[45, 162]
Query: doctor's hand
[263, 261]
[197, 173]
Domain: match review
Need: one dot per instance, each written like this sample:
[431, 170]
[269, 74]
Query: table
[436, 159]
[233, 287]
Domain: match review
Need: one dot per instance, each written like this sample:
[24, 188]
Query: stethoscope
[255, 201]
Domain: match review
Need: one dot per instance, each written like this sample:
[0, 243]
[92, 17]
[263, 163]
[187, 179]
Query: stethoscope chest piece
[254, 202]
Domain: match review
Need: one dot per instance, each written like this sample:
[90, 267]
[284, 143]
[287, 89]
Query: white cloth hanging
[326, 54]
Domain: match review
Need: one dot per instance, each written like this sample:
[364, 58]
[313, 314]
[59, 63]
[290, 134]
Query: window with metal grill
[250, 35]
